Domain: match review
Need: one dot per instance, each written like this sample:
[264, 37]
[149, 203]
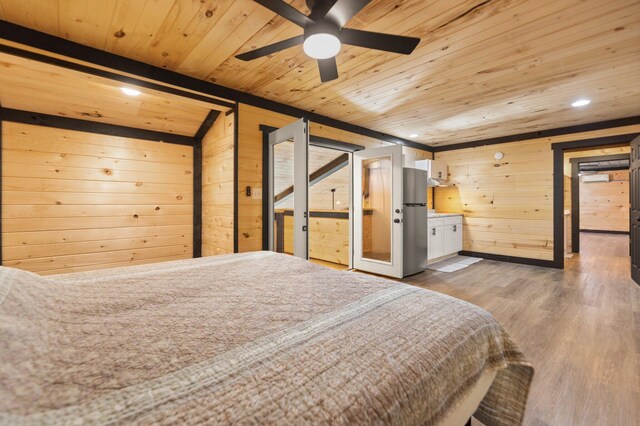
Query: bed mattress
[248, 338]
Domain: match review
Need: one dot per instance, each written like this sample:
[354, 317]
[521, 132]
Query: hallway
[579, 327]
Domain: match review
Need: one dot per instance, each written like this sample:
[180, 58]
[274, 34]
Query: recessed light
[130, 92]
[581, 102]
[413, 135]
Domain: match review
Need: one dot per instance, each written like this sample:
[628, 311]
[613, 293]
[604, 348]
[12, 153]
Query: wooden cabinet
[444, 237]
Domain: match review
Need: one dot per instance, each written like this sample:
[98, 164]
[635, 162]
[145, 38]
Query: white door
[288, 171]
[377, 211]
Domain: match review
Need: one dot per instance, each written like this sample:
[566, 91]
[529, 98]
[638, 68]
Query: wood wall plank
[604, 206]
[77, 201]
[217, 187]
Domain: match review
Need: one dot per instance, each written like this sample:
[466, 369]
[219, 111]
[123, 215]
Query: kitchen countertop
[439, 215]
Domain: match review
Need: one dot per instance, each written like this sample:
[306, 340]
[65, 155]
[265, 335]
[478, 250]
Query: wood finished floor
[579, 327]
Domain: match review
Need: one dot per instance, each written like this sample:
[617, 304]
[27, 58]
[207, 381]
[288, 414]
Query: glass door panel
[377, 210]
[284, 196]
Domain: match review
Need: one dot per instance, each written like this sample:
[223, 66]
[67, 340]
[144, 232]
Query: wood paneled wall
[328, 238]
[604, 206]
[250, 165]
[77, 201]
[507, 204]
[594, 152]
[217, 187]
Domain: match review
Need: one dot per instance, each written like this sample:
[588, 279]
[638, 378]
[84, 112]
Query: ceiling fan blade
[328, 69]
[272, 48]
[379, 41]
[343, 10]
[286, 11]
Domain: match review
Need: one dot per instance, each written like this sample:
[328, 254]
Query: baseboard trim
[603, 231]
[511, 259]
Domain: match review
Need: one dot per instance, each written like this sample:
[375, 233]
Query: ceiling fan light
[321, 46]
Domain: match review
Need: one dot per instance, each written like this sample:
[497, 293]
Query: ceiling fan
[324, 33]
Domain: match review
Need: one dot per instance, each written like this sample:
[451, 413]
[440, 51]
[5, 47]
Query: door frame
[559, 149]
[634, 209]
[575, 195]
[299, 132]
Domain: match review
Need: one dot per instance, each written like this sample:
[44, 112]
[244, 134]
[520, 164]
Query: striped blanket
[249, 338]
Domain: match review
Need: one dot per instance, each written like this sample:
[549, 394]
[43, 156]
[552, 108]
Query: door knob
[396, 220]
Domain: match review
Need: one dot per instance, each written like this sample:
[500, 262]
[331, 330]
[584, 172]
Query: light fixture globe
[321, 46]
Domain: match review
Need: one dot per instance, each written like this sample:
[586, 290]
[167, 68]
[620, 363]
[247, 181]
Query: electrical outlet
[256, 194]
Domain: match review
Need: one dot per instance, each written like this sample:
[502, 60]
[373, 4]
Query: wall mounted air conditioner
[596, 178]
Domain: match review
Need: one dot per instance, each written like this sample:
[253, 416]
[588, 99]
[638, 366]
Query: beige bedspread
[249, 338]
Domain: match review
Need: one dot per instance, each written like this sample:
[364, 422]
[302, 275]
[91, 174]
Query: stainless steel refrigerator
[414, 217]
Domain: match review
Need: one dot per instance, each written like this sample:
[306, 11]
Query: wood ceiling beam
[38, 119]
[206, 124]
[70, 49]
[544, 133]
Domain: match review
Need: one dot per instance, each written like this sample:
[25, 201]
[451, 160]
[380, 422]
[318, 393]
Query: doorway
[328, 192]
[329, 202]
[562, 152]
[598, 194]
[361, 227]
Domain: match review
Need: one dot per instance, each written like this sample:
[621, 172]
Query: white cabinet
[452, 236]
[444, 237]
[435, 169]
[438, 170]
[435, 242]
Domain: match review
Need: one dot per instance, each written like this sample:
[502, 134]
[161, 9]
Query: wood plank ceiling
[34, 86]
[484, 68]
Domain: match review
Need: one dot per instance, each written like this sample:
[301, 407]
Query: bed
[249, 338]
